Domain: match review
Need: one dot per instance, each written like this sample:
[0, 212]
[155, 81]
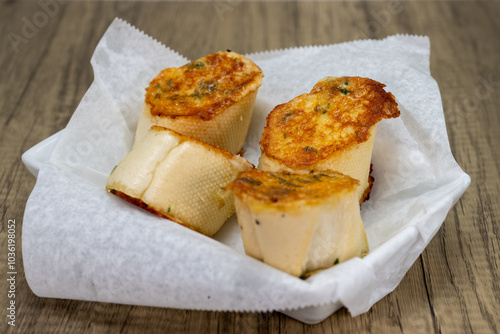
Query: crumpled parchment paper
[80, 242]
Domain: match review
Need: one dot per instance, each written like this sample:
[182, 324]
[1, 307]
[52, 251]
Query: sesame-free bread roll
[210, 99]
[331, 128]
[299, 223]
[179, 178]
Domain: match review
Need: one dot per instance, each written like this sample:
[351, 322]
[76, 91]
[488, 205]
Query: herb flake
[310, 149]
[251, 181]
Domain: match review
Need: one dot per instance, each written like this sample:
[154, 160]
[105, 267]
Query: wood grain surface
[454, 286]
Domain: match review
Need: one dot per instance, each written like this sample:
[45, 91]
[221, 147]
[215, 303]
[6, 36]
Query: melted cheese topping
[264, 190]
[337, 114]
[204, 87]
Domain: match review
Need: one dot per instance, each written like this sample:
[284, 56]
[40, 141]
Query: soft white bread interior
[299, 223]
[179, 178]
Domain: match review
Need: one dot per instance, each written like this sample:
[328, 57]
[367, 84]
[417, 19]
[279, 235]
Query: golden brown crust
[336, 114]
[270, 188]
[204, 87]
[368, 190]
[141, 204]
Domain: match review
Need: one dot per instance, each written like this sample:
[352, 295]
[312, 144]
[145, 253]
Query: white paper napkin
[80, 242]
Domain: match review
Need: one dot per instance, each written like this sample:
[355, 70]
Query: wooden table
[453, 287]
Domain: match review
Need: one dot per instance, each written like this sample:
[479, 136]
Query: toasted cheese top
[264, 189]
[336, 114]
[204, 87]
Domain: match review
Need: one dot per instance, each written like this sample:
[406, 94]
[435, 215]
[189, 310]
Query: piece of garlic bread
[299, 223]
[210, 99]
[179, 178]
[332, 127]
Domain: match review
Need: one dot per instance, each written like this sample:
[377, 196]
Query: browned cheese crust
[282, 189]
[335, 115]
[204, 87]
[368, 190]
